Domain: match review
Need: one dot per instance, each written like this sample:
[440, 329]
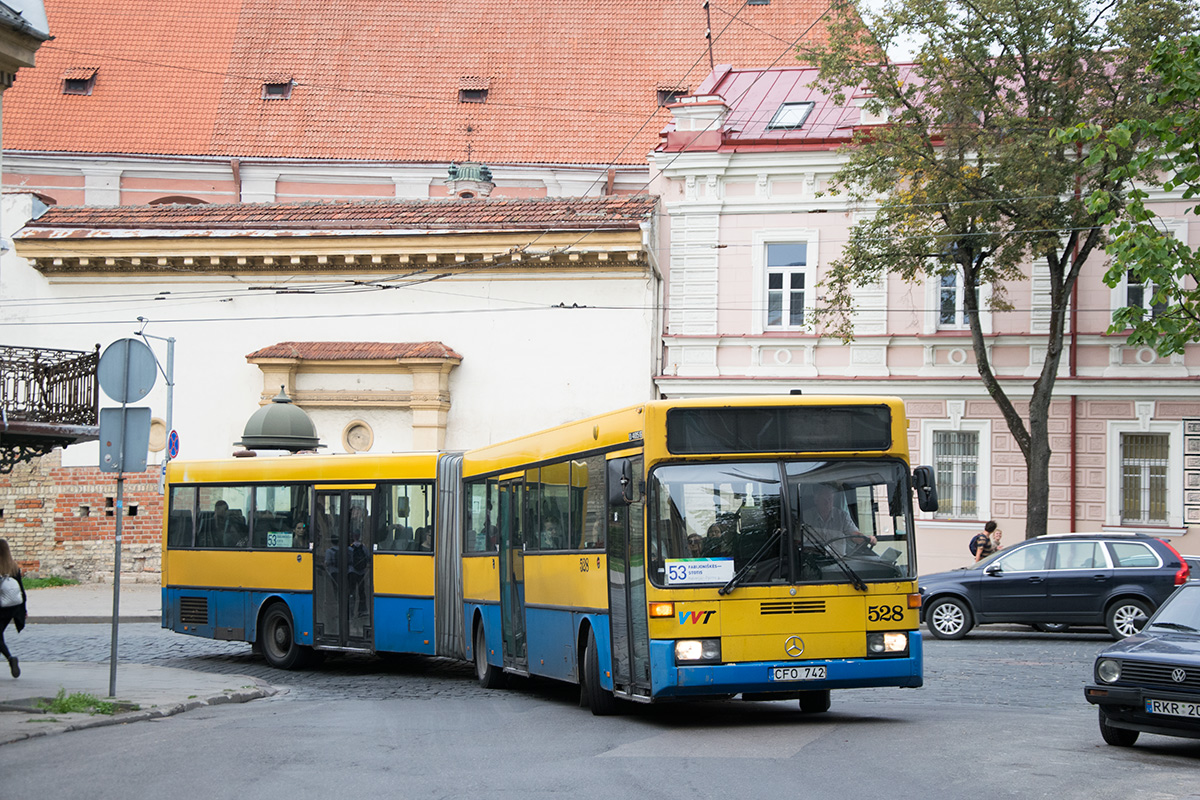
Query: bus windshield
[747, 523]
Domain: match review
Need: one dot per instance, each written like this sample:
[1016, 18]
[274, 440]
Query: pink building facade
[748, 232]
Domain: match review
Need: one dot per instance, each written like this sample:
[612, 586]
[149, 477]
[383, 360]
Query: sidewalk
[143, 691]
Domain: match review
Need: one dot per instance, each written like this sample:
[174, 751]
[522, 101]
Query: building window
[952, 314]
[281, 90]
[1141, 295]
[472, 95]
[79, 80]
[956, 460]
[787, 267]
[790, 116]
[668, 96]
[1144, 465]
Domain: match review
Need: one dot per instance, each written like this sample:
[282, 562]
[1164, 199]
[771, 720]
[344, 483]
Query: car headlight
[887, 643]
[1108, 670]
[697, 651]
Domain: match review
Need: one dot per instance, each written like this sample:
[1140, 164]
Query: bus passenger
[695, 545]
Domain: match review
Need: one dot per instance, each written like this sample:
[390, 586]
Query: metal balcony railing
[55, 387]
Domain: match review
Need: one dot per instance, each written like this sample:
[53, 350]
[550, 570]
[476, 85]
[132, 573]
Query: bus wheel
[814, 702]
[602, 702]
[277, 638]
[490, 677]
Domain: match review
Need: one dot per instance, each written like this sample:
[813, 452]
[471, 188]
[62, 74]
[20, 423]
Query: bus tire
[816, 702]
[277, 638]
[601, 701]
[488, 674]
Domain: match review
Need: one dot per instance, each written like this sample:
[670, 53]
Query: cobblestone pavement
[1005, 666]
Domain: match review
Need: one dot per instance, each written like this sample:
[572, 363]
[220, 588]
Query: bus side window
[181, 517]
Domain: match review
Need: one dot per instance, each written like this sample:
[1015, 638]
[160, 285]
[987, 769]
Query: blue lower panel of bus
[668, 680]
[550, 634]
[231, 614]
[404, 625]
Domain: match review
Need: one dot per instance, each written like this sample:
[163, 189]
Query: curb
[40, 620]
[159, 712]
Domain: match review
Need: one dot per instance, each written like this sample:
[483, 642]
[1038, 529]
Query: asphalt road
[1001, 715]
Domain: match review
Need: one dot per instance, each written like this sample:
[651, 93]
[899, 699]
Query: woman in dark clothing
[13, 613]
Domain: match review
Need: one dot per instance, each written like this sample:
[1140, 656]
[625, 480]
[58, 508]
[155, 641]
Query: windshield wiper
[1176, 626]
[833, 554]
[741, 573]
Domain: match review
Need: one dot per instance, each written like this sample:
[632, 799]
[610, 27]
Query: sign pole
[126, 374]
[119, 511]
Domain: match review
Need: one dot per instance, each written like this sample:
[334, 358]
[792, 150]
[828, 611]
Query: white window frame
[1174, 470]
[983, 472]
[933, 305]
[1175, 228]
[765, 237]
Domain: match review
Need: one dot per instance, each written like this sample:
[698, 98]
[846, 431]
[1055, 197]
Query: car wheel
[816, 702]
[1117, 737]
[1121, 615]
[948, 618]
[1051, 627]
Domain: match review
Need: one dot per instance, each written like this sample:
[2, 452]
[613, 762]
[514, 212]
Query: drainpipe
[1072, 360]
[236, 166]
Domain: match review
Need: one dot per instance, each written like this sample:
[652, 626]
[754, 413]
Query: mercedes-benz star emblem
[794, 646]
[1177, 675]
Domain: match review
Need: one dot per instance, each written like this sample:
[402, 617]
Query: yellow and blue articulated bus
[753, 546]
[303, 553]
[699, 548]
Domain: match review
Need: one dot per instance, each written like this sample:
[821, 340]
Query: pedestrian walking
[986, 543]
[12, 602]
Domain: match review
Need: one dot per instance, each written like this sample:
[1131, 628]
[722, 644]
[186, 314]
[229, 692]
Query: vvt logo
[700, 617]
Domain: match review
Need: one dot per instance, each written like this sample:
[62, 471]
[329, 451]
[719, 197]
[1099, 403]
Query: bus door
[343, 593]
[626, 545]
[512, 573]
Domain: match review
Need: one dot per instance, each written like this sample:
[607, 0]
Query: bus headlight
[697, 651]
[887, 643]
[1108, 670]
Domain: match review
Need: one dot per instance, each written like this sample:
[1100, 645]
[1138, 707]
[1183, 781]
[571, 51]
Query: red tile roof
[345, 351]
[625, 212]
[570, 82]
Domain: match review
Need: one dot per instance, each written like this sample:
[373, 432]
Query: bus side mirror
[621, 491]
[926, 487]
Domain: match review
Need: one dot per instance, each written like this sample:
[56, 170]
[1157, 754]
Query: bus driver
[832, 522]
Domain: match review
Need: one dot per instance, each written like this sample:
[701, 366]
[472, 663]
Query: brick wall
[60, 521]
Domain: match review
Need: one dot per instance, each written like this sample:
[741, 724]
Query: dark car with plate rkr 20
[1054, 582]
[1150, 682]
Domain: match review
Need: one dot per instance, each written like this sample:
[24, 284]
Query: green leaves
[1161, 147]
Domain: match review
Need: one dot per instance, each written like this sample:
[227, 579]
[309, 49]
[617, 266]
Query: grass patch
[44, 583]
[77, 703]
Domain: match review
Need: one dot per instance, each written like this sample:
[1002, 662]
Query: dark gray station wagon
[1055, 581]
[1151, 682]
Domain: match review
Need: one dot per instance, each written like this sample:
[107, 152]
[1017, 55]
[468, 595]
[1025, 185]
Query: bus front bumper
[755, 677]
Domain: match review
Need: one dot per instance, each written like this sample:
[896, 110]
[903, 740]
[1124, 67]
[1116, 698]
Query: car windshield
[745, 523]
[1181, 612]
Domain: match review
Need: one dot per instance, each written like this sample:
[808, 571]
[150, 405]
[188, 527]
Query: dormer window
[670, 94]
[79, 80]
[276, 88]
[790, 116]
[473, 89]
